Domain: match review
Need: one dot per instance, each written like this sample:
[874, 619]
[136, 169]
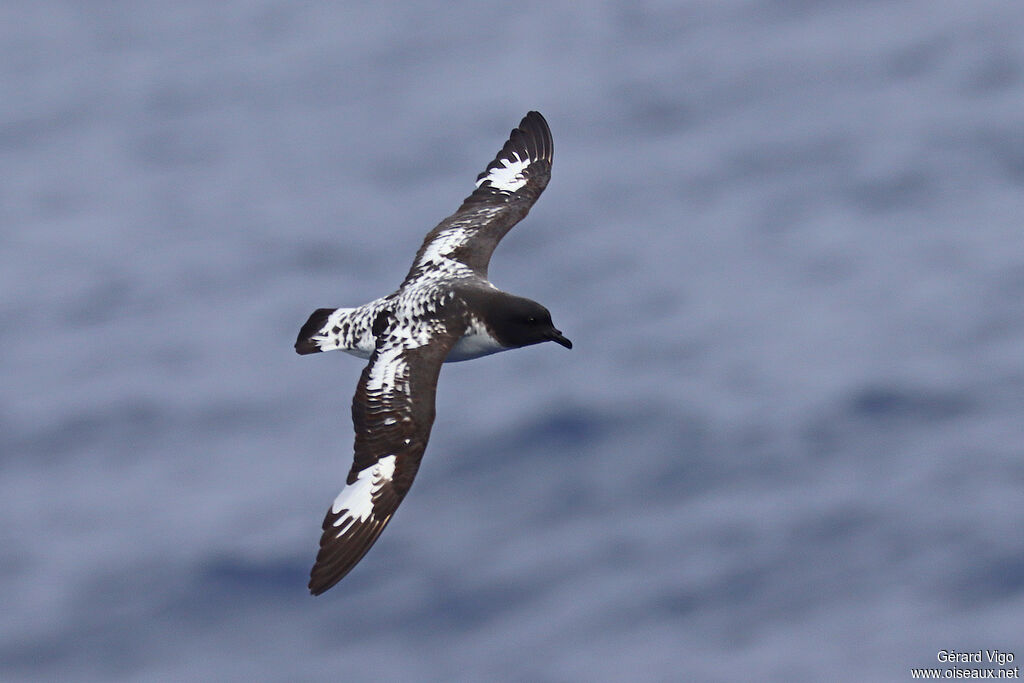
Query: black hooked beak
[556, 336]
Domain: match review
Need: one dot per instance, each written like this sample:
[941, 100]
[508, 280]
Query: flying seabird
[445, 310]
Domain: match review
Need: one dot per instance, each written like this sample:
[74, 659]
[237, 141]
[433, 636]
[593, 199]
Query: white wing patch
[509, 176]
[357, 498]
[388, 371]
[437, 256]
[443, 245]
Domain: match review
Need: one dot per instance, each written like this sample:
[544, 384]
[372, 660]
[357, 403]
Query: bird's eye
[531, 319]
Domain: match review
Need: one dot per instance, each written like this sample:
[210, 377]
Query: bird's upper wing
[393, 411]
[504, 193]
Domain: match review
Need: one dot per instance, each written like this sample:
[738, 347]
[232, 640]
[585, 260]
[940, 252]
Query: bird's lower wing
[392, 411]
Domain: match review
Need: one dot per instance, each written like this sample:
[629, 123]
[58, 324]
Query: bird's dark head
[517, 322]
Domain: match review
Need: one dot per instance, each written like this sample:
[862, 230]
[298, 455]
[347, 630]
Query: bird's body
[445, 310]
[354, 326]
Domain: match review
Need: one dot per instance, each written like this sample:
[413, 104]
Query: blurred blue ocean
[784, 236]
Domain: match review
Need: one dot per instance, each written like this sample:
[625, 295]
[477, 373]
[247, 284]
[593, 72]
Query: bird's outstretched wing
[393, 411]
[504, 193]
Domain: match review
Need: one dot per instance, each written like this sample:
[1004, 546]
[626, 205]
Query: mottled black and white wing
[504, 193]
[392, 411]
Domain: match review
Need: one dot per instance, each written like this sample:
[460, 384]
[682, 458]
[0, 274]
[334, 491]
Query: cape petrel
[444, 311]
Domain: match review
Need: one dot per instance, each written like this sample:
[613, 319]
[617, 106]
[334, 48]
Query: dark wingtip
[533, 117]
[535, 126]
[338, 555]
[530, 140]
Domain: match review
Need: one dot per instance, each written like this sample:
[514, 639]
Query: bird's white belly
[475, 343]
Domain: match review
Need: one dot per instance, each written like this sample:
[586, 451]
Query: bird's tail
[326, 330]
